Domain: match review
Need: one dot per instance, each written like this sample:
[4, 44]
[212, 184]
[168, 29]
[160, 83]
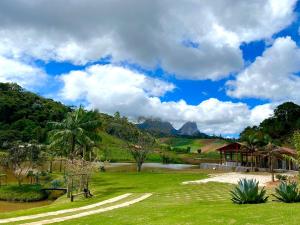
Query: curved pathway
[80, 214]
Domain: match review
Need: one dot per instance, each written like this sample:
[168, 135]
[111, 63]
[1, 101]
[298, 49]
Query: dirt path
[233, 178]
[74, 210]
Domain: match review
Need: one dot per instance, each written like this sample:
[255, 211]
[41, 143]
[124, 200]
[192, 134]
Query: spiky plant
[287, 192]
[247, 192]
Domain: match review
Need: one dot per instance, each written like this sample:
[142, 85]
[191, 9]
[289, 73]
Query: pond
[12, 206]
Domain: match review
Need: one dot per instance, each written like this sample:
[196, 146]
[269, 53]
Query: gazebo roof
[233, 147]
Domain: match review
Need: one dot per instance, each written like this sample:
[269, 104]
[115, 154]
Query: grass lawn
[171, 203]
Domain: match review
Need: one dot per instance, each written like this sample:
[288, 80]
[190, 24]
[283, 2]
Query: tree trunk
[252, 161]
[50, 166]
[271, 167]
[19, 181]
[60, 165]
[139, 166]
[72, 148]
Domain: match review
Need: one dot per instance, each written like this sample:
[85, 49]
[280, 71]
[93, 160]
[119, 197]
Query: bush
[182, 150]
[23, 193]
[287, 192]
[57, 183]
[166, 158]
[247, 192]
[281, 177]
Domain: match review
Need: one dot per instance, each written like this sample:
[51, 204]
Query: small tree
[21, 158]
[141, 149]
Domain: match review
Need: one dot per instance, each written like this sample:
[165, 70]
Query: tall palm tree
[271, 150]
[76, 133]
[251, 143]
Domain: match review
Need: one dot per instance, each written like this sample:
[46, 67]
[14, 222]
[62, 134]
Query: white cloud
[143, 32]
[110, 89]
[28, 76]
[272, 75]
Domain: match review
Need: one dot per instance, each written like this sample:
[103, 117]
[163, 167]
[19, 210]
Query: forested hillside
[24, 115]
[280, 126]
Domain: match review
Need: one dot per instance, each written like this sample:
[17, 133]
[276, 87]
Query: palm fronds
[247, 192]
[287, 192]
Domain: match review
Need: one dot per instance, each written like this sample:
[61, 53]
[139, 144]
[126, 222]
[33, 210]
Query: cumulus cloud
[144, 32]
[272, 76]
[28, 76]
[111, 88]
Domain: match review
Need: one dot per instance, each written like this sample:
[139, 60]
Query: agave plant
[287, 192]
[247, 192]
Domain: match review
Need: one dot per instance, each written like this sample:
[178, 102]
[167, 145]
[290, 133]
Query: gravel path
[233, 178]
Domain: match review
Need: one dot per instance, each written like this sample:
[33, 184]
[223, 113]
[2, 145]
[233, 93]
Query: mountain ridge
[159, 127]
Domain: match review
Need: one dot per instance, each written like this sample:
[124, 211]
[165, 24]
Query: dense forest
[280, 127]
[25, 116]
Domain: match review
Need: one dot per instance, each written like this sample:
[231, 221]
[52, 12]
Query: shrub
[57, 183]
[23, 193]
[247, 192]
[182, 150]
[281, 177]
[287, 192]
[166, 158]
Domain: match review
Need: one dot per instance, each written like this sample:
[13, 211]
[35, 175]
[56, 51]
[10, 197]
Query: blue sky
[160, 59]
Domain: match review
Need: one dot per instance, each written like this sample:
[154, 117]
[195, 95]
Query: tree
[251, 142]
[141, 148]
[271, 151]
[280, 126]
[296, 141]
[76, 133]
[22, 157]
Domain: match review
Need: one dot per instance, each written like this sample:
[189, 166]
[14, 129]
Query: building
[237, 154]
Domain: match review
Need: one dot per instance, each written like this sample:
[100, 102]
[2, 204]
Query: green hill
[24, 115]
[206, 145]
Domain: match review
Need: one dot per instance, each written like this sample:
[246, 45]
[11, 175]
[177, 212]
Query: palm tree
[271, 150]
[251, 143]
[76, 133]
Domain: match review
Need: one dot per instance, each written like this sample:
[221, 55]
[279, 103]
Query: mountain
[162, 128]
[189, 129]
[158, 127]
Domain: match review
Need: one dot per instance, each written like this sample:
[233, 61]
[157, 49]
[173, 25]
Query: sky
[224, 64]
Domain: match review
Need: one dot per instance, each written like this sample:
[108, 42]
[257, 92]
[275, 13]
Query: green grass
[113, 149]
[23, 193]
[172, 203]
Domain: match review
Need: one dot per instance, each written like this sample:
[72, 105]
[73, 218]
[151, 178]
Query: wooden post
[251, 161]
[237, 155]
[221, 156]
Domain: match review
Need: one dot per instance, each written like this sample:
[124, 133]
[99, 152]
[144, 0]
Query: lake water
[156, 165]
